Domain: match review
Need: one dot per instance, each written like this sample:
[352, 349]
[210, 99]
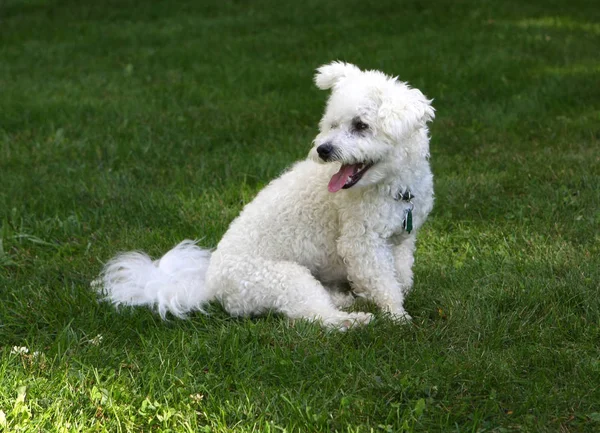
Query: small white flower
[197, 397]
[96, 340]
[19, 350]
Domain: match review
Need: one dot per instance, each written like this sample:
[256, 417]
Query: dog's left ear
[329, 75]
[411, 113]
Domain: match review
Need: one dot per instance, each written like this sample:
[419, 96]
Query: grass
[133, 125]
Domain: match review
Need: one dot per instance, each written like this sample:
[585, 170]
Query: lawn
[133, 125]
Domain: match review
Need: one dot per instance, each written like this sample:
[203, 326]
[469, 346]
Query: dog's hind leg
[284, 287]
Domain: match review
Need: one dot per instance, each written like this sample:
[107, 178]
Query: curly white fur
[318, 227]
[174, 284]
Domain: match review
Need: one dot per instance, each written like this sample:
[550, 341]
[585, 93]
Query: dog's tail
[174, 284]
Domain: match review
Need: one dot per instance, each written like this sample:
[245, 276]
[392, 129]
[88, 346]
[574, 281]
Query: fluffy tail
[174, 284]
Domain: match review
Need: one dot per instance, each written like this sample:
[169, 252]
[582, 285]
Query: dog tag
[407, 224]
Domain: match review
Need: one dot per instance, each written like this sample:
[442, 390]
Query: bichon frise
[340, 224]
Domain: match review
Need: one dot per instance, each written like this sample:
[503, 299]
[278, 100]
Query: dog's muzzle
[325, 151]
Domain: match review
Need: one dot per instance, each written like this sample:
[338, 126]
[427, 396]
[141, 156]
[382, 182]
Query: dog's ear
[413, 112]
[329, 75]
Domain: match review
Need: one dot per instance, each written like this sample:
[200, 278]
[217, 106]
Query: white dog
[339, 224]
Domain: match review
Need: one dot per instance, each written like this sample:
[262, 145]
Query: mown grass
[127, 124]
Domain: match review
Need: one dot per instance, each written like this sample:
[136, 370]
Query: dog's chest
[391, 217]
[383, 215]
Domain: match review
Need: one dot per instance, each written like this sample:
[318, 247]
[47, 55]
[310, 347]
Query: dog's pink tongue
[339, 179]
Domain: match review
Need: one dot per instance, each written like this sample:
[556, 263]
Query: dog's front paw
[347, 320]
[400, 316]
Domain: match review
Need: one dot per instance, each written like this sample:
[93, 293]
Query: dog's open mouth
[348, 175]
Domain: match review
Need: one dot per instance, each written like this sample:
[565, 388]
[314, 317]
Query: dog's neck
[399, 191]
[412, 169]
[405, 181]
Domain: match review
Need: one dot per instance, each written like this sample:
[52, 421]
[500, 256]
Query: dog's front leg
[403, 262]
[370, 267]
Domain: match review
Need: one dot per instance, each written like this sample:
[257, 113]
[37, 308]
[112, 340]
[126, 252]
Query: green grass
[133, 125]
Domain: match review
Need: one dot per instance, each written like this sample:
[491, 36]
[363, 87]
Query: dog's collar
[406, 196]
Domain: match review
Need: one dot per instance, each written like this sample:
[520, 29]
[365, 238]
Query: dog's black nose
[325, 151]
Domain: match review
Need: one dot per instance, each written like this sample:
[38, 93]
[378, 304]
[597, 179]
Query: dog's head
[372, 124]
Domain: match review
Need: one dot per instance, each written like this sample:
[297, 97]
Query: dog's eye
[334, 125]
[359, 125]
